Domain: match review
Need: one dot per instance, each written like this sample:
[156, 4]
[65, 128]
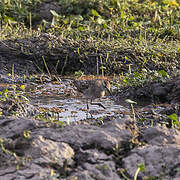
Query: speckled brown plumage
[93, 89]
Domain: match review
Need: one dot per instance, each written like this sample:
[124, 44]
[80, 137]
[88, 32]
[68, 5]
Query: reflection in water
[75, 109]
[62, 98]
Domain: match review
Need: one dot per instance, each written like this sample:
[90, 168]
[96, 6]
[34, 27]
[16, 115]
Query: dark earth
[88, 150]
[33, 149]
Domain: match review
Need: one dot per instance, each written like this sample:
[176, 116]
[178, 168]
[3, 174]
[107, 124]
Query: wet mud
[46, 131]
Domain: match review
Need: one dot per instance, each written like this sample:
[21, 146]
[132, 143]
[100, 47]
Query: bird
[93, 89]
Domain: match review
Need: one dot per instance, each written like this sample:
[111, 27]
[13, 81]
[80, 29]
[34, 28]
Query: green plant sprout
[46, 66]
[132, 107]
[174, 119]
[141, 168]
[78, 74]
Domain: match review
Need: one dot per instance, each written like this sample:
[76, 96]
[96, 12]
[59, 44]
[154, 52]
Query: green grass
[140, 34]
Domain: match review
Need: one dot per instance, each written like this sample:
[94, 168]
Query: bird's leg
[87, 112]
[99, 104]
[87, 105]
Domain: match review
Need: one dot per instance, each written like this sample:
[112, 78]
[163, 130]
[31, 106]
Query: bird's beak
[109, 91]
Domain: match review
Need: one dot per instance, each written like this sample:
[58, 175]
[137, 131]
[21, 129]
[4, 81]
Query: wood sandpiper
[93, 89]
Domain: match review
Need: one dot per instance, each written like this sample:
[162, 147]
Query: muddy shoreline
[109, 149]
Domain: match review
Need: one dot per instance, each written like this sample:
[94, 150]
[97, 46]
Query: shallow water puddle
[73, 109]
[62, 102]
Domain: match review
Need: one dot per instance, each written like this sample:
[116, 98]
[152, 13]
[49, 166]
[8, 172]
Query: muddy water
[64, 103]
[74, 109]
